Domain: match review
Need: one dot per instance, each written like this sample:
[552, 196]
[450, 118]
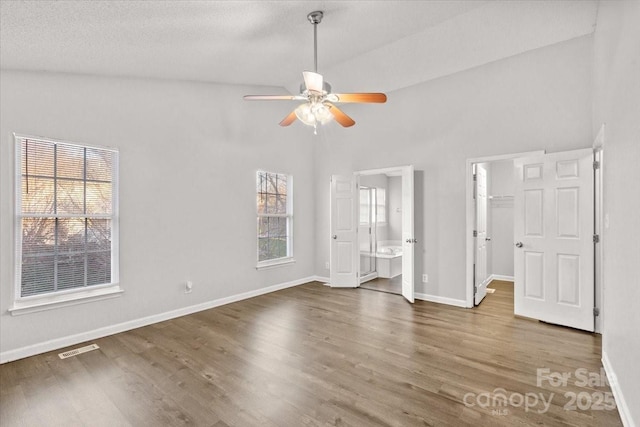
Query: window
[274, 210]
[372, 205]
[367, 203]
[66, 215]
[381, 205]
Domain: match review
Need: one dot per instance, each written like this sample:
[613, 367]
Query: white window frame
[51, 300]
[288, 259]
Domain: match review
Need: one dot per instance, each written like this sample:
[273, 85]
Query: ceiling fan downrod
[315, 18]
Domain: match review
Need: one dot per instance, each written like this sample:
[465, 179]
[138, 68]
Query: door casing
[599, 226]
[394, 171]
[471, 214]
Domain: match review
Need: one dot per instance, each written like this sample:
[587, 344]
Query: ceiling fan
[319, 106]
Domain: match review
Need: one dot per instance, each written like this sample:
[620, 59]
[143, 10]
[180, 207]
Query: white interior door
[408, 240]
[344, 227]
[553, 229]
[481, 276]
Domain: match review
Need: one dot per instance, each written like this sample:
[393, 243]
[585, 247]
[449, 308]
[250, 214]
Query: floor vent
[77, 351]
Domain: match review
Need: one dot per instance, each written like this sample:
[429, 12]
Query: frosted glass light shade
[305, 115]
[322, 113]
[313, 113]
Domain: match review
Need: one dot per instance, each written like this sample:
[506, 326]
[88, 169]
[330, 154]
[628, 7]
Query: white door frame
[480, 286]
[470, 212]
[394, 171]
[601, 222]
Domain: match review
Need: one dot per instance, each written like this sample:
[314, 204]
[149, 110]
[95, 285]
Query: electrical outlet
[188, 287]
[326, 265]
[425, 278]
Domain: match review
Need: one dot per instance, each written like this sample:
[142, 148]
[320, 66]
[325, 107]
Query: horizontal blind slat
[66, 215]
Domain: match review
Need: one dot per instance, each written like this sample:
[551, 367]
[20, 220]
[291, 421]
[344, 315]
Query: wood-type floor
[312, 355]
[393, 286]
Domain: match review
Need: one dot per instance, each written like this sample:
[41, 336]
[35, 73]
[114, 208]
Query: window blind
[274, 215]
[66, 212]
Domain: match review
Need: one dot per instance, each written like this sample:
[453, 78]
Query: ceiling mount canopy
[319, 107]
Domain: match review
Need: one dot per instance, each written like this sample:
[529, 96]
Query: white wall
[188, 156]
[537, 100]
[501, 214]
[617, 103]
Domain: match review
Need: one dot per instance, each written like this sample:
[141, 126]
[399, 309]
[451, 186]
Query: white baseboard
[501, 277]
[322, 279]
[621, 403]
[441, 300]
[32, 350]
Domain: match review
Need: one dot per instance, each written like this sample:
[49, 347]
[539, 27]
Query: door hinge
[596, 238]
[475, 233]
[596, 311]
[475, 177]
[596, 164]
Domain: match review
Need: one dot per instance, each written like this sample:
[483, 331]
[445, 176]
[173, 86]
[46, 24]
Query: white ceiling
[363, 45]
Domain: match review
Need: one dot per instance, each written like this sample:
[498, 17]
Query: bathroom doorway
[345, 254]
[380, 232]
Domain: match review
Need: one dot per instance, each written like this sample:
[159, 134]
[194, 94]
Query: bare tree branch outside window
[67, 200]
[274, 216]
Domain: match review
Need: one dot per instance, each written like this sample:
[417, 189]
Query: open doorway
[490, 195]
[361, 249]
[530, 222]
[380, 232]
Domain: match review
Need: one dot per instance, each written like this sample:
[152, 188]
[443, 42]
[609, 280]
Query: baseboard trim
[322, 279]
[441, 300]
[501, 277]
[58, 343]
[621, 403]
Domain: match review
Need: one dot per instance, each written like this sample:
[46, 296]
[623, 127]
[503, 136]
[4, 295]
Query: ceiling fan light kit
[319, 107]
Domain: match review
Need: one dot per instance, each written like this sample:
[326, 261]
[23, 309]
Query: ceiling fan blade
[340, 116]
[289, 119]
[271, 97]
[313, 81]
[360, 97]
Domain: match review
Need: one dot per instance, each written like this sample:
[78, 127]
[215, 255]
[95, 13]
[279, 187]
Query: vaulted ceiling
[363, 45]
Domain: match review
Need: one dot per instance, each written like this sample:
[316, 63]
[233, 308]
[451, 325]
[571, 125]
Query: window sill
[275, 263]
[49, 302]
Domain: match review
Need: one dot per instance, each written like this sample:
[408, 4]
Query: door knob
[519, 245]
[335, 236]
[488, 239]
